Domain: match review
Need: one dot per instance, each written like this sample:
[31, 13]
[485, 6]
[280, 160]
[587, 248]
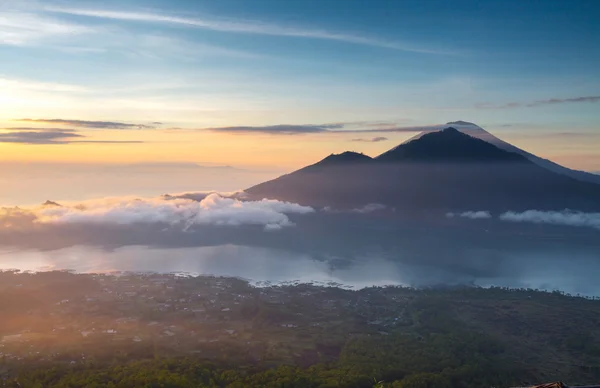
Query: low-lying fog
[267, 240]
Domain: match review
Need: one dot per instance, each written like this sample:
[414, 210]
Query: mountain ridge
[440, 171]
[448, 144]
[474, 130]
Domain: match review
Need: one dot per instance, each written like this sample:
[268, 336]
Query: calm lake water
[577, 273]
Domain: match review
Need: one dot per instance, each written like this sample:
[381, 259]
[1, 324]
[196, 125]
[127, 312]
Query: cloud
[339, 128]
[565, 100]
[213, 209]
[565, 217]
[12, 84]
[372, 140]
[551, 101]
[369, 208]
[474, 215]
[52, 136]
[282, 129]
[88, 124]
[41, 137]
[39, 129]
[386, 128]
[19, 28]
[15, 218]
[248, 27]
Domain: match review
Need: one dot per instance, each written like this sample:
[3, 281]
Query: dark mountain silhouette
[448, 145]
[476, 131]
[435, 172]
[345, 157]
[51, 203]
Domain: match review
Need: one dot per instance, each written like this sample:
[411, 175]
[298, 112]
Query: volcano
[457, 168]
[476, 131]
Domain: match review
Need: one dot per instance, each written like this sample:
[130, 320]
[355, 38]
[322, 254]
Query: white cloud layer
[212, 210]
[565, 217]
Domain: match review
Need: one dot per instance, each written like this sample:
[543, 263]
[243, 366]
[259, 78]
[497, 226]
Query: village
[77, 317]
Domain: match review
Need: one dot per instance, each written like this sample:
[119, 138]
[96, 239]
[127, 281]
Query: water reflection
[575, 273]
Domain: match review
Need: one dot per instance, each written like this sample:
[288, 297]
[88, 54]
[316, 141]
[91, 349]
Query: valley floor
[60, 329]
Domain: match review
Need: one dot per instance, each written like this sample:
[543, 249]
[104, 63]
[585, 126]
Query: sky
[105, 106]
[269, 85]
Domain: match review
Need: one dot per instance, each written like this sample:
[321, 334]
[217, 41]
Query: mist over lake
[573, 271]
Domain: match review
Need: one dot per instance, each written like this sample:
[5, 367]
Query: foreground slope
[223, 332]
[446, 170]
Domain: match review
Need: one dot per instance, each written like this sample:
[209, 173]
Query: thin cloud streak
[24, 28]
[335, 128]
[474, 215]
[564, 218]
[19, 129]
[20, 84]
[49, 137]
[281, 129]
[248, 27]
[550, 101]
[42, 137]
[88, 124]
[372, 140]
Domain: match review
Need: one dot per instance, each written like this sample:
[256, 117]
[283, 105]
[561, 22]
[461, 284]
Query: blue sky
[519, 68]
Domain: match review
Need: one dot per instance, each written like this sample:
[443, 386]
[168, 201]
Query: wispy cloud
[278, 129]
[13, 84]
[52, 136]
[41, 129]
[553, 101]
[474, 215]
[248, 27]
[23, 28]
[566, 218]
[41, 137]
[395, 129]
[372, 140]
[369, 208]
[24, 24]
[88, 124]
[282, 129]
[550, 101]
[339, 128]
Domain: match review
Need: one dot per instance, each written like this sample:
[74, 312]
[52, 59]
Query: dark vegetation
[221, 332]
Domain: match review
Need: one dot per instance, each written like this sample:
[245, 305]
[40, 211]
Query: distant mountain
[448, 145]
[51, 203]
[344, 159]
[447, 170]
[480, 133]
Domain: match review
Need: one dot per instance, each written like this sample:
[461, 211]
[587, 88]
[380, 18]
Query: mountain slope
[480, 133]
[448, 145]
[344, 159]
[437, 172]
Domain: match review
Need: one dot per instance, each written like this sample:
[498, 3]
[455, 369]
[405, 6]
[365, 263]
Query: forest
[294, 335]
